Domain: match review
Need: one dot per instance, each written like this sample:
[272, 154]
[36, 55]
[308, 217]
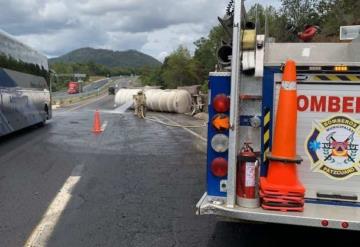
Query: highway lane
[123, 81]
[122, 171]
[137, 185]
[88, 88]
[95, 85]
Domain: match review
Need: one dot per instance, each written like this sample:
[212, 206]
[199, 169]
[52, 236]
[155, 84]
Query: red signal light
[324, 223]
[219, 167]
[221, 103]
[345, 225]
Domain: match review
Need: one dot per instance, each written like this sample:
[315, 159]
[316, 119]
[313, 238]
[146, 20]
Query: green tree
[300, 12]
[151, 76]
[206, 48]
[180, 69]
[336, 13]
[296, 14]
[260, 15]
[206, 51]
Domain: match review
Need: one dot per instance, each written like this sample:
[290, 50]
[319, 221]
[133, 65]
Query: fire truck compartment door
[328, 134]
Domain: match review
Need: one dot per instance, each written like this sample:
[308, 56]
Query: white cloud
[155, 27]
[166, 40]
[54, 11]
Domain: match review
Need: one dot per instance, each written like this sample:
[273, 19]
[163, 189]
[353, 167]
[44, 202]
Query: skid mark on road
[43, 231]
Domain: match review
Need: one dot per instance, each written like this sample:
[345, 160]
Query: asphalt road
[124, 81]
[136, 184]
[95, 85]
[88, 88]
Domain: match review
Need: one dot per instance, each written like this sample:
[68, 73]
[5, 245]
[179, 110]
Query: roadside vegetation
[180, 68]
[91, 69]
[183, 68]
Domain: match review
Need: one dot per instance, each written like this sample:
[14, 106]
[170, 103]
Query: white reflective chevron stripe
[288, 85]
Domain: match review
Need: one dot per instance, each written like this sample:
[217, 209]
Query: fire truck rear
[243, 131]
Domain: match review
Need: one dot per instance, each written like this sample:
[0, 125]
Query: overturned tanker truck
[290, 153]
[177, 101]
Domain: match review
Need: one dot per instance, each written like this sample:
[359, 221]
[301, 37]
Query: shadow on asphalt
[228, 234]
[27, 181]
[23, 133]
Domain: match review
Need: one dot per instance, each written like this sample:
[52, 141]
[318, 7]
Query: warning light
[219, 167]
[325, 223]
[221, 122]
[220, 143]
[341, 68]
[221, 103]
[345, 225]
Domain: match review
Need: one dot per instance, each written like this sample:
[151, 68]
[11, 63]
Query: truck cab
[73, 87]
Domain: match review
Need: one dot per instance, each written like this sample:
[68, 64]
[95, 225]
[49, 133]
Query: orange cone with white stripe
[282, 179]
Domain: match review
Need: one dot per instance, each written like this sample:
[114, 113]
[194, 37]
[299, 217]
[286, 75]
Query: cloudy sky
[155, 27]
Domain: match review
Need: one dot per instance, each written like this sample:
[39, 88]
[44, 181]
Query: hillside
[108, 58]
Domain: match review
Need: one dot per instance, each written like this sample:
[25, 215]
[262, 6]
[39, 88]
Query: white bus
[25, 98]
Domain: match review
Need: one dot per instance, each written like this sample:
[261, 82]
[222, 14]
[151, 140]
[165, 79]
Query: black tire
[47, 115]
[41, 124]
[46, 110]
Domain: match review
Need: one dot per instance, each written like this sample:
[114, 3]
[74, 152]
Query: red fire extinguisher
[248, 178]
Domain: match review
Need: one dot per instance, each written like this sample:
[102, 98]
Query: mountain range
[108, 58]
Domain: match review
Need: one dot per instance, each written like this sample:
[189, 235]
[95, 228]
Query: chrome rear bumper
[312, 216]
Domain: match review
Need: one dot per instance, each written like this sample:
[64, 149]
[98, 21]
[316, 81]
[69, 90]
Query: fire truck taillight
[219, 167]
[218, 132]
[221, 103]
[220, 143]
[325, 223]
[221, 122]
[345, 225]
[341, 68]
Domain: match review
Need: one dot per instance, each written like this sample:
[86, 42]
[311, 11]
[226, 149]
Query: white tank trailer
[178, 101]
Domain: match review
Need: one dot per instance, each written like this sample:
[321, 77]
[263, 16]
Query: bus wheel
[46, 109]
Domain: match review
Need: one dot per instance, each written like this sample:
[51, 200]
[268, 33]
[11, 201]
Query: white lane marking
[43, 231]
[85, 104]
[104, 125]
[186, 129]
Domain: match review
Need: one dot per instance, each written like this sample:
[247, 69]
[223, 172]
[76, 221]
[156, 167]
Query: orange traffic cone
[282, 179]
[97, 123]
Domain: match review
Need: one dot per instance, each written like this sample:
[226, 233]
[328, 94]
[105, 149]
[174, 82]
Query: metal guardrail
[74, 98]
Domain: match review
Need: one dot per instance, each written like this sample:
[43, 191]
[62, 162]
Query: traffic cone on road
[97, 123]
[282, 180]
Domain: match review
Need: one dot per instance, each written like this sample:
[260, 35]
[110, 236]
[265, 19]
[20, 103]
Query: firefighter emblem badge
[333, 147]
